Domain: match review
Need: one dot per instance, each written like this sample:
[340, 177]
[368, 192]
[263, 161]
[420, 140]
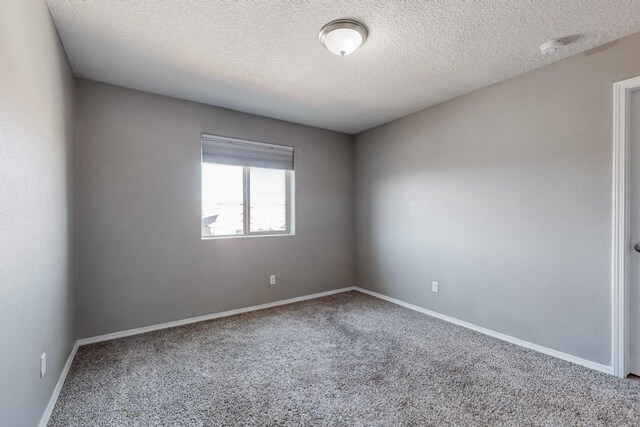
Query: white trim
[620, 224]
[84, 341]
[56, 391]
[144, 329]
[503, 337]
[246, 209]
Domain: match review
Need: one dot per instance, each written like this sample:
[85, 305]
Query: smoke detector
[551, 46]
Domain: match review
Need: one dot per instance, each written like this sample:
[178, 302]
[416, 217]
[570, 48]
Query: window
[246, 187]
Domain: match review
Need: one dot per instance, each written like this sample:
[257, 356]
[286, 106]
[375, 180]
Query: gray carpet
[347, 359]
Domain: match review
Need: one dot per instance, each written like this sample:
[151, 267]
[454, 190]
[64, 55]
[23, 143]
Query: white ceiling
[264, 57]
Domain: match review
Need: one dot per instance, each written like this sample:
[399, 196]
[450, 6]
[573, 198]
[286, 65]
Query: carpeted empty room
[319, 213]
[345, 359]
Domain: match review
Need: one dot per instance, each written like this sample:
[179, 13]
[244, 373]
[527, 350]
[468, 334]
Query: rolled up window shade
[239, 152]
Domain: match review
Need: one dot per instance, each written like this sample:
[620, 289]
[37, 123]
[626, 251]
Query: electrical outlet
[43, 364]
[272, 279]
[435, 287]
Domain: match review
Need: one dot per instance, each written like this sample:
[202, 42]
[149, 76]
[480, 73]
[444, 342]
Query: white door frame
[620, 225]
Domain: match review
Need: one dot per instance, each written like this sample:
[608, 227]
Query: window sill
[247, 236]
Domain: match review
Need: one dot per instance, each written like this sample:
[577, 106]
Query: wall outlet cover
[272, 279]
[435, 287]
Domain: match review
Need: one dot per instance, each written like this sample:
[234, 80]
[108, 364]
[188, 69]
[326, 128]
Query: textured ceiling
[264, 57]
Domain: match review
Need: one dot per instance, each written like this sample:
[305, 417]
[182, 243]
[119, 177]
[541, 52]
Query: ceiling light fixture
[343, 36]
[552, 46]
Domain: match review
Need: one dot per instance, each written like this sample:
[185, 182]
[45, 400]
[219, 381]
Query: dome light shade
[343, 36]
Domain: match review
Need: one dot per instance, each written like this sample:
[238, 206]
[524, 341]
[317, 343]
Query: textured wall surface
[264, 57]
[140, 256]
[504, 197]
[36, 139]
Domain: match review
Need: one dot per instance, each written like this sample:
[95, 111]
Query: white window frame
[246, 208]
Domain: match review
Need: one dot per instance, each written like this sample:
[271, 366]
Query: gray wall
[504, 197]
[140, 257]
[36, 139]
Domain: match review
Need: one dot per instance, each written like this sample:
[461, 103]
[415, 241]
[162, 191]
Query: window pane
[222, 200]
[268, 200]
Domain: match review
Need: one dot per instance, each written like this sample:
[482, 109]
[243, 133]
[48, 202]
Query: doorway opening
[625, 227]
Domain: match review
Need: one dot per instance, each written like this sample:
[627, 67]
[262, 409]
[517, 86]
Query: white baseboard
[56, 391]
[84, 341]
[136, 331]
[548, 351]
